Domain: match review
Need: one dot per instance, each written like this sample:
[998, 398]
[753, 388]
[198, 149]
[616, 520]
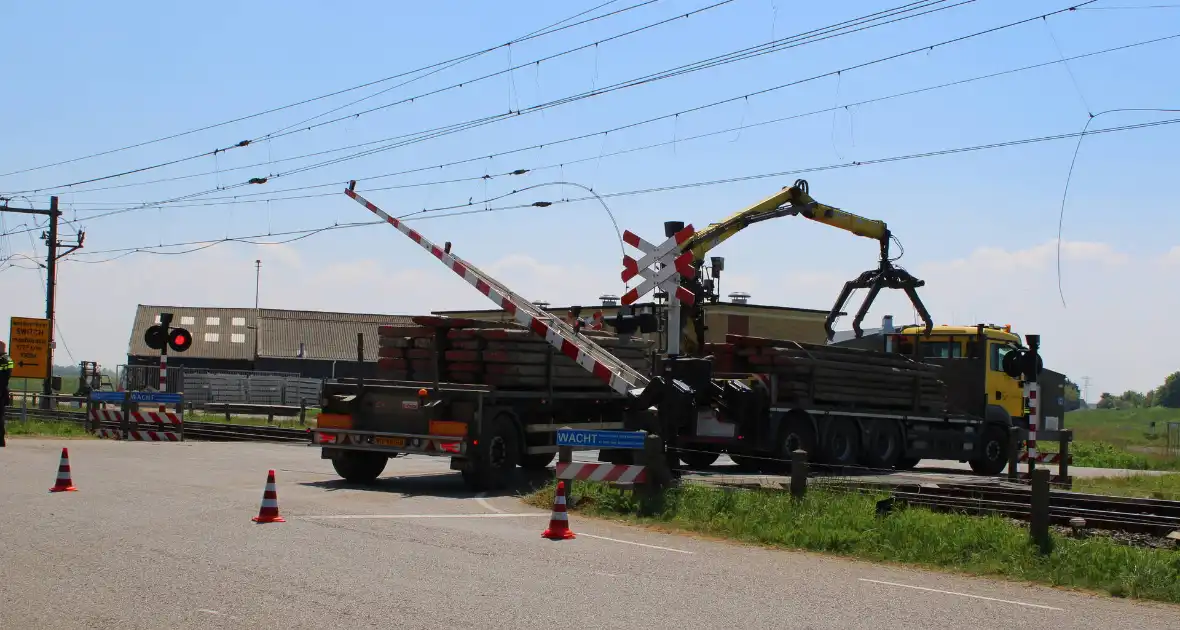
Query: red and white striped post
[163, 374]
[1030, 391]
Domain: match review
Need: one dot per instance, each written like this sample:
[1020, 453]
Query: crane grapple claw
[887, 276]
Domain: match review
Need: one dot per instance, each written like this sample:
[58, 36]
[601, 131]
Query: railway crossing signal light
[162, 334]
[180, 339]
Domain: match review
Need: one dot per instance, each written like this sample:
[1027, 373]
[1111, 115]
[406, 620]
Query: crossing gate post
[661, 267]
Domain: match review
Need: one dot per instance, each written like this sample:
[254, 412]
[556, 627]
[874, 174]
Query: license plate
[389, 441]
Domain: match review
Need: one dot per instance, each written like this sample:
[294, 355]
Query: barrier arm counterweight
[621, 377]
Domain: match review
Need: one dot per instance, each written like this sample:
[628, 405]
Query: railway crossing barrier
[126, 423]
[651, 474]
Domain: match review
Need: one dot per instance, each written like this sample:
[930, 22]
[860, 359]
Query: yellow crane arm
[788, 201]
[796, 201]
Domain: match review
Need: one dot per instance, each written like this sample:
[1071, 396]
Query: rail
[212, 431]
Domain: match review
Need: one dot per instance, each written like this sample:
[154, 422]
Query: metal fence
[201, 386]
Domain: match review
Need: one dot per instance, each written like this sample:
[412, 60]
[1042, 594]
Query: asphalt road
[160, 536]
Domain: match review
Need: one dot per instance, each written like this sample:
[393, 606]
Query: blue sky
[978, 226]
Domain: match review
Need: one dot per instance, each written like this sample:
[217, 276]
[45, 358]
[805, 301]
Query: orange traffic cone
[64, 482]
[559, 528]
[269, 512]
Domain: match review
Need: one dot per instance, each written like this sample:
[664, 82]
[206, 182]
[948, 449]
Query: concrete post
[1013, 453]
[798, 473]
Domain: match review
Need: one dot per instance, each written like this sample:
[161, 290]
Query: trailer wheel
[797, 433]
[883, 447]
[842, 446]
[747, 464]
[995, 452]
[359, 466]
[494, 465]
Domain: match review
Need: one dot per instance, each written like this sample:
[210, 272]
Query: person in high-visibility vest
[6, 366]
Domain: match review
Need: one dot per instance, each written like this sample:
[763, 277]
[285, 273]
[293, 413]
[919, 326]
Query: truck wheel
[536, 461]
[747, 464]
[359, 466]
[698, 459]
[495, 460]
[883, 446]
[842, 448]
[798, 433]
[995, 452]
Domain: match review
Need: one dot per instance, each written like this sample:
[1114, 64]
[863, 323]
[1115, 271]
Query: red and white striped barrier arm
[602, 364]
[601, 472]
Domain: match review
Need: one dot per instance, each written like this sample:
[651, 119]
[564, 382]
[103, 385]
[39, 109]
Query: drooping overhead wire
[547, 30]
[469, 208]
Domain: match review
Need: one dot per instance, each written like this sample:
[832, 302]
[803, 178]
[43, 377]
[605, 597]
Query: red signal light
[180, 340]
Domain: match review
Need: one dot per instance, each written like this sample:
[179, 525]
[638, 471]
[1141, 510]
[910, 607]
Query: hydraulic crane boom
[796, 201]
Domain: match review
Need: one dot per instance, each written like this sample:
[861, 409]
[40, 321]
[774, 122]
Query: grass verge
[1142, 486]
[46, 428]
[846, 524]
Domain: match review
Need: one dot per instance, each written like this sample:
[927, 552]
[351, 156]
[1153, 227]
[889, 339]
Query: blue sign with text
[631, 440]
[162, 398]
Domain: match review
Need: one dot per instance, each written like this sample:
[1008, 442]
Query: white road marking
[628, 542]
[935, 590]
[214, 612]
[477, 515]
[480, 499]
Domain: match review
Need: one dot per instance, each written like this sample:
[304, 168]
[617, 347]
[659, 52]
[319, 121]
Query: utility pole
[257, 281]
[1085, 387]
[50, 282]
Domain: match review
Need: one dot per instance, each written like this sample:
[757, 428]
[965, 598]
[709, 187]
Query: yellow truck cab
[957, 342]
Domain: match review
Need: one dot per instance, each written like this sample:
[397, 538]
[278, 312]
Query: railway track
[211, 431]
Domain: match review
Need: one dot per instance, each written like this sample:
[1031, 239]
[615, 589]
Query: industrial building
[313, 344]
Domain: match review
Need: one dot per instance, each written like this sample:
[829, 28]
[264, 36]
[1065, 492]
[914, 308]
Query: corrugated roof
[218, 333]
[329, 336]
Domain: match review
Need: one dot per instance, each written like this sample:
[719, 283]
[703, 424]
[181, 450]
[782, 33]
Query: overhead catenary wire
[411, 136]
[234, 199]
[243, 198]
[433, 213]
[301, 129]
[734, 56]
[548, 30]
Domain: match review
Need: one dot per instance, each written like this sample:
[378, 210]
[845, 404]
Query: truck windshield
[941, 350]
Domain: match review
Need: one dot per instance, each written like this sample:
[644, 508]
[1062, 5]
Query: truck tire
[797, 433]
[884, 445]
[359, 466]
[842, 443]
[747, 464]
[494, 465]
[536, 461]
[994, 451]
